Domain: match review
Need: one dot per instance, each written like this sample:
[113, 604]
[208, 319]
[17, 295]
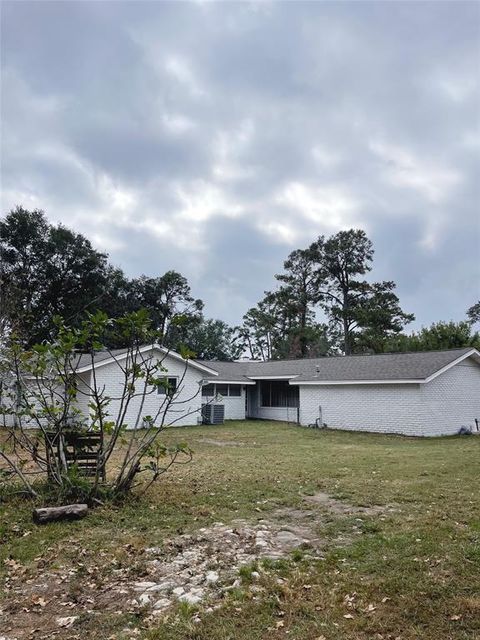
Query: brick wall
[382, 408]
[439, 407]
[234, 405]
[452, 400]
[187, 413]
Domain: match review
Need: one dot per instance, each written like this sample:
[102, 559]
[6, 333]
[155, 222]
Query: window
[225, 390]
[208, 391]
[168, 388]
[222, 389]
[234, 390]
[278, 394]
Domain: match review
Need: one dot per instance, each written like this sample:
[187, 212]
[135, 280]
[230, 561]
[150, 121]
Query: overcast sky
[215, 138]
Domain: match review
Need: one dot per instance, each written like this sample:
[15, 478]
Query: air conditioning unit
[213, 413]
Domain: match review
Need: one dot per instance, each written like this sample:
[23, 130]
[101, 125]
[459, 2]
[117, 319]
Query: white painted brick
[439, 407]
[186, 407]
[234, 406]
[452, 400]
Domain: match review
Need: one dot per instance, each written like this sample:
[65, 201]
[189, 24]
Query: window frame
[209, 395]
[235, 386]
[225, 386]
[165, 390]
[216, 393]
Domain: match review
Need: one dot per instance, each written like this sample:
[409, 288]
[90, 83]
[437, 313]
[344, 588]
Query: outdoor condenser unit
[213, 413]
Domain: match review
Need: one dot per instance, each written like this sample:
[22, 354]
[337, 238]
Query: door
[250, 401]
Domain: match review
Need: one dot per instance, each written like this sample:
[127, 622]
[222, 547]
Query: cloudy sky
[214, 138]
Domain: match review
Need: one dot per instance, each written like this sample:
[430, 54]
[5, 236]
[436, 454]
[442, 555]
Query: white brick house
[185, 377]
[419, 394]
[104, 372]
[439, 407]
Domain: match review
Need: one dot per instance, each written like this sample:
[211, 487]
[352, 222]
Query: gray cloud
[215, 138]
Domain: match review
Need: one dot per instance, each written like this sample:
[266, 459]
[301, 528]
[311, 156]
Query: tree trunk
[68, 512]
[347, 347]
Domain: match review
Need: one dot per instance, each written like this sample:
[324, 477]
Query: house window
[208, 391]
[222, 389]
[234, 390]
[278, 394]
[168, 387]
[225, 390]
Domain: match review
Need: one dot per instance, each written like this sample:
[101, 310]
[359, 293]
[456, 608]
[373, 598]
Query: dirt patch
[340, 507]
[193, 568]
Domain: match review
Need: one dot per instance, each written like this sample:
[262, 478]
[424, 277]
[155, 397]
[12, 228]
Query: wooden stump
[67, 512]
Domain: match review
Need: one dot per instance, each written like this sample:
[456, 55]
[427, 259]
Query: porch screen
[278, 393]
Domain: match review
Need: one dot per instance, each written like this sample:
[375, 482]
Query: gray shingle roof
[228, 371]
[391, 366]
[85, 359]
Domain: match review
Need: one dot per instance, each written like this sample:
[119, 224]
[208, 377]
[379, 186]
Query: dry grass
[411, 572]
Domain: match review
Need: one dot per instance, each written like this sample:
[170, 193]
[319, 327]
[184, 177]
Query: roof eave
[355, 382]
[226, 381]
[289, 377]
[164, 350]
[464, 356]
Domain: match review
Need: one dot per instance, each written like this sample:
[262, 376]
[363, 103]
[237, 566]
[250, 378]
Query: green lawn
[412, 571]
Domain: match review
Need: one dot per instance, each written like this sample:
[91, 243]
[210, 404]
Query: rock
[189, 567]
[191, 598]
[261, 543]
[143, 586]
[273, 555]
[288, 539]
[212, 577]
[161, 586]
[236, 583]
[66, 622]
[161, 604]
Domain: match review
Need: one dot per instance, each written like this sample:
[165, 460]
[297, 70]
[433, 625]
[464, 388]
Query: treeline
[49, 271]
[327, 280]
[323, 303]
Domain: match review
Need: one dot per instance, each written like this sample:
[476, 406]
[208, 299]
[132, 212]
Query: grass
[411, 573]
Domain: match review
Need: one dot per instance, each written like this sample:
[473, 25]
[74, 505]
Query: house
[419, 394]
[184, 379]
[105, 372]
